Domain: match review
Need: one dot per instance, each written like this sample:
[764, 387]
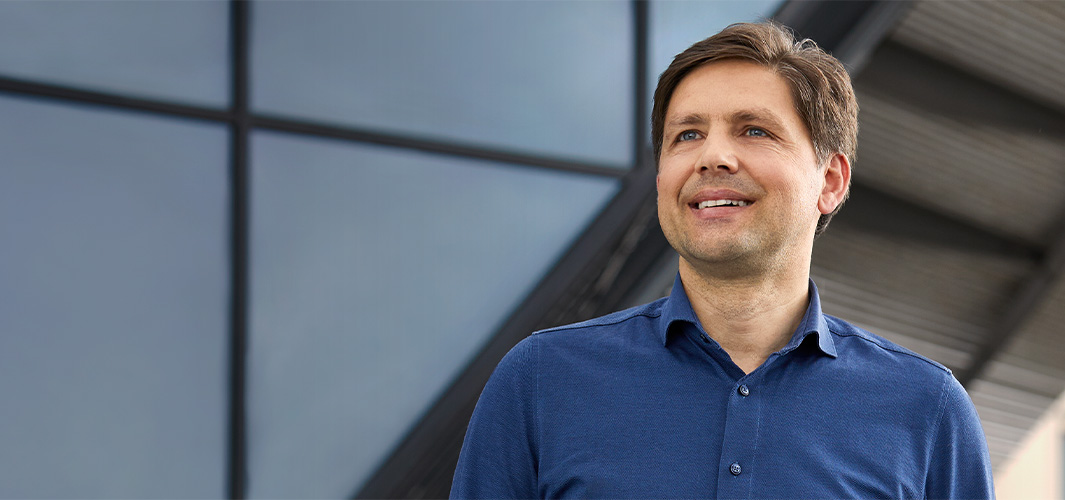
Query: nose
[718, 155]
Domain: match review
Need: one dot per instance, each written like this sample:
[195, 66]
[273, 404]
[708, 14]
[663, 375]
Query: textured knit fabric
[643, 404]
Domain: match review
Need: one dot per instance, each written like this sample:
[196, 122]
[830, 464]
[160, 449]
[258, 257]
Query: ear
[837, 182]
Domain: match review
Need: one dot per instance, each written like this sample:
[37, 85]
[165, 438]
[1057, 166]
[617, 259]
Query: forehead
[731, 86]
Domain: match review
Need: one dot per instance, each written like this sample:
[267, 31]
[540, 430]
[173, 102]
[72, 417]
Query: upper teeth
[718, 203]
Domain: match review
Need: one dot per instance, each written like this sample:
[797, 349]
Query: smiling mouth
[720, 203]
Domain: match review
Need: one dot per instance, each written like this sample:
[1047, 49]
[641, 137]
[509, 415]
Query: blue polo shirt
[643, 404]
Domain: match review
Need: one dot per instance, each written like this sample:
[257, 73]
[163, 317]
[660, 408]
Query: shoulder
[623, 325]
[872, 349]
[636, 325]
[910, 383]
[926, 406]
[597, 345]
[610, 322]
[918, 387]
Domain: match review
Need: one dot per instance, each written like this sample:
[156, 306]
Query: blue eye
[688, 135]
[757, 132]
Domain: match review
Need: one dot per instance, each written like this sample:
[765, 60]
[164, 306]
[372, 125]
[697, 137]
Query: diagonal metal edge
[1030, 295]
[422, 464]
[434, 441]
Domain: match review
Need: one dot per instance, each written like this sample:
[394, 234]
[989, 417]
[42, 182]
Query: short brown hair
[820, 85]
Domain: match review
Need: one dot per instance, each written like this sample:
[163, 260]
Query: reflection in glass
[113, 304]
[550, 78]
[677, 24]
[376, 275]
[161, 49]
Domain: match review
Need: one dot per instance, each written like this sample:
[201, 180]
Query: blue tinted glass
[168, 49]
[376, 275]
[677, 24]
[551, 78]
[113, 293]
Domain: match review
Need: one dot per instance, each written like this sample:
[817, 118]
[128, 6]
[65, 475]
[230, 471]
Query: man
[736, 385]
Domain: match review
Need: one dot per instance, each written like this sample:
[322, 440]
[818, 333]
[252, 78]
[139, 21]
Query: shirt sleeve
[960, 465]
[499, 453]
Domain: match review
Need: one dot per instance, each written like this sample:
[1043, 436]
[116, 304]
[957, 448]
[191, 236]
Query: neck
[750, 316]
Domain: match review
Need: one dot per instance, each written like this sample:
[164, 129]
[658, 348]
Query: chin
[725, 249]
[727, 254]
[728, 257]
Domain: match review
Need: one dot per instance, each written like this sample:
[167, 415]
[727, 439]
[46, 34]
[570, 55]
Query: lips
[719, 198]
[722, 203]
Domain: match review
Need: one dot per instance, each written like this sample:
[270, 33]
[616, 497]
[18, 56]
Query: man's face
[738, 178]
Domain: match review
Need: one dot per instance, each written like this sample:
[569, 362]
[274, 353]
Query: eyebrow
[688, 119]
[761, 115]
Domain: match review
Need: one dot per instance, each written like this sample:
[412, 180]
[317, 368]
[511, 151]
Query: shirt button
[735, 469]
[744, 391]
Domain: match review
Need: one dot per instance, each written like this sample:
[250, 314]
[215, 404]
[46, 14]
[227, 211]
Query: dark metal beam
[901, 74]
[1030, 295]
[872, 210]
[827, 23]
[422, 465]
[449, 148]
[869, 32]
[298, 126]
[237, 463]
[849, 30]
[73, 94]
[639, 250]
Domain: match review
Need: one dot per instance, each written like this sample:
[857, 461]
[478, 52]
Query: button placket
[735, 476]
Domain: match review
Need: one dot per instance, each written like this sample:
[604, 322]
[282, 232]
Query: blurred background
[274, 249]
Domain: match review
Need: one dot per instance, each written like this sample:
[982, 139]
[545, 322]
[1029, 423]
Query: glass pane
[376, 275]
[113, 304]
[553, 78]
[677, 24]
[167, 49]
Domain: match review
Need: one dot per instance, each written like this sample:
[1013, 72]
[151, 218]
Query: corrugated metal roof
[997, 176]
[1007, 180]
[1041, 340]
[1015, 44]
[935, 300]
[1025, 378]
[1001, 407]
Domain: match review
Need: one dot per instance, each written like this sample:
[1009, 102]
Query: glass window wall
[165, 49]
[376, 275]
[114, 283]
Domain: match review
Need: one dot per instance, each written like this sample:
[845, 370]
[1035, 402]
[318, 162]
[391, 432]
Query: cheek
[800, 191]
[669, 180]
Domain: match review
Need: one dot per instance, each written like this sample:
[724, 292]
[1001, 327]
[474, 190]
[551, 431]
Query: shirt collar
[677, 307]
